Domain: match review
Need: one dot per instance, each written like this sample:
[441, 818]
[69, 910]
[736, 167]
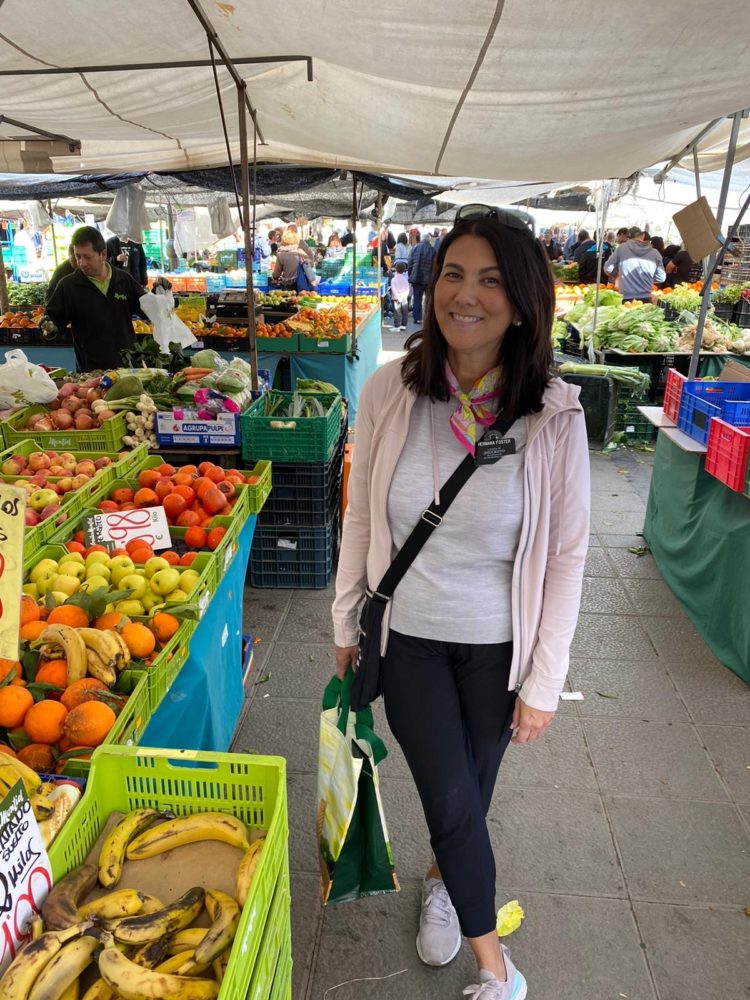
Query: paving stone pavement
[625, 833]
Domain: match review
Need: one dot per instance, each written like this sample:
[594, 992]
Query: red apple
[57, 470]
[51, 455]
[67, 461]
[80, 480]
[10, 467]
[31, 517]
[65, 485]
[49, 510]
[85, 468]
[21, 459]
[39, 479]
[102, 463]
[39, 460]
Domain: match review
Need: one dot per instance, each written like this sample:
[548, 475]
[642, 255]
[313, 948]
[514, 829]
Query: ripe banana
[183, 964]
[121, 903]
[63, 798]
[225, 915]
[21, 974]
[112, 854]
[73, 648]
[64, 969]
[150, 955]
[246, 870]
[151, 926]
[99, 990]
[60, 908]
[187, 940]
[73, 991]
[150, 903]
[132, 982]
[97, 668]
[31, 780]
[106, 644]
[188, 830]
[126, 657]
[40, 803]
[219, 966]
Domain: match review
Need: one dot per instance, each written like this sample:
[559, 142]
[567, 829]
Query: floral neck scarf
[473, 406]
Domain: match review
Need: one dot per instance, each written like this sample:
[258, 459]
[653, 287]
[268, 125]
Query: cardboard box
[734, 371]
[698, 228]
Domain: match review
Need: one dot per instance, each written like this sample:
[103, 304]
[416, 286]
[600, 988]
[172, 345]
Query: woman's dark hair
[671, 251]
[525, 351]
[657, 243]
[88, 234]
[402, 238]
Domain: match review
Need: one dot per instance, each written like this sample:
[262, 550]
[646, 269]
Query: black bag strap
[430, 519]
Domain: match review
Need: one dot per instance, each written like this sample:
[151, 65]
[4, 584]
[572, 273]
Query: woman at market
[401, 250]
[289, 259]
[478, 631]
[334, 250]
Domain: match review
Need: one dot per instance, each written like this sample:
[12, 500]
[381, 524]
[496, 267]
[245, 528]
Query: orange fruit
[6, 666]
[76, 547]
[53, 672]
[108, 506]
[188, 519]
[79, 691]
[15, 703]
[148, 478]
[196, 538]
[142, 553]
[139, 639]
[134, 543]
[68, 614]
[31, 631]
[164, 626]
[172, 557]
[112, 619]
[174, 505]
[8, 751]
[186, 492]
[188, 558]
[163, 488]
[215, 474]
[165, 470]
[29, 610]
[214, 500]
[123, 494]
[79, 537]
[39, 757]
[187, 470]
[215, 536]
[96, 548]
[146, 498]
[44, 722]
[89, 724]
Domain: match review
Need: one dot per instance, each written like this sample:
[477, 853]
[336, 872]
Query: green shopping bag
[354, 852]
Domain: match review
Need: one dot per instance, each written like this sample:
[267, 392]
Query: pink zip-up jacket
[548, 570]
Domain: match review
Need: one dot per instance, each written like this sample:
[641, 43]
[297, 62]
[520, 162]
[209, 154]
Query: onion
[62, 419]
[73, 403]
[45, 424]
[102, 415]
[84, 422]
[93, 394]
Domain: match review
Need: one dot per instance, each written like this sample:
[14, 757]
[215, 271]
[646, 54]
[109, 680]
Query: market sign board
[114, 529]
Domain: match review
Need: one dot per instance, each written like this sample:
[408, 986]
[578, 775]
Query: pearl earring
[517, 322]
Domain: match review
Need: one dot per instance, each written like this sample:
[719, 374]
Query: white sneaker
[394, 329]
[439, 938]
[403, 328]
[490, 988]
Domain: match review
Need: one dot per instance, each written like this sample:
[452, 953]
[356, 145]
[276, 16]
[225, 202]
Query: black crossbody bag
[367, 684]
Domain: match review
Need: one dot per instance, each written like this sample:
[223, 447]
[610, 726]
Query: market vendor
[98, 301]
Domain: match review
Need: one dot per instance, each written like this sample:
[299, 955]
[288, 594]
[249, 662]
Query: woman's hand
[345, 655]
[528, 723]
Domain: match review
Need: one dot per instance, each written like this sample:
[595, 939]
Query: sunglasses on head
[470, 213]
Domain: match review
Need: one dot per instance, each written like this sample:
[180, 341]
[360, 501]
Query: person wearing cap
[637, 267]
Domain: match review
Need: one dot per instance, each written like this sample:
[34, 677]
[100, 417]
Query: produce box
[703, 400]
[124, 463]
[598, 397]
[325, 345]
[106, 438]
[654, 365]
[294, 557]
[222, 432]
[673, 393]
[631, 422]
[303, 439]
[727, 453]
[278, 345]
[305, 494]
[185, 782]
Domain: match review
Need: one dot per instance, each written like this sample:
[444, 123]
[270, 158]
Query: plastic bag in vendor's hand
[22, 382]
[168, 327]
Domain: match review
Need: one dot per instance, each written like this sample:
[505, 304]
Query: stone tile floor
[625, 833]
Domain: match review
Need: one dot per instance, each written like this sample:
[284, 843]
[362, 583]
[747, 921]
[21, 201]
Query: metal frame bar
[174, 64]
[690, 148]
[74, 144]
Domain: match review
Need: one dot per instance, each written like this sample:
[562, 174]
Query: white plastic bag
[168, 327]
[128, 218]
[220, 216]
[22, 383]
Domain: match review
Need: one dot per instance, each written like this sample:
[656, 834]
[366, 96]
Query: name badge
[492, 447]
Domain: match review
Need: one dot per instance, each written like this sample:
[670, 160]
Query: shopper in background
[290, 257]
[129, 256]
[583, 244]
[477, 634]
[622, 236]
[438, 237]
[569, 246]
[637, 267]
[551, 246]
[98, 301]
[387, 246]
[588, 260]
[67, 267]
[658, 244]
[400, 297]
[420, 272]
[334, 250]
[274, 239]
[679, 267]
[401, 250]
[348, 236]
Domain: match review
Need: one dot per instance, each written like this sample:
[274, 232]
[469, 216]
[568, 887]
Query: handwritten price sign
[12, 511]
[120, 527]
[25, 872]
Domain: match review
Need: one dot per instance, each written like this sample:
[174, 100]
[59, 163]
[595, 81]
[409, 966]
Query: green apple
[131, 608]
[98, 557]
[92, 583]
[120, 566]
[165, 581]
[135, 583]
[43, 498]
[73, 557]
[58, 597]
[76, 569]
[43, 568]
[44, 583]
[98, 569]
[32, 590]
[154, 565]
[188, 579]
[66, 584]
[177, 595]
[150, 600]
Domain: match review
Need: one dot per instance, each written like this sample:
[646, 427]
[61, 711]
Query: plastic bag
[128, 218]
[220, 216]
[168, 327]
[22, 382]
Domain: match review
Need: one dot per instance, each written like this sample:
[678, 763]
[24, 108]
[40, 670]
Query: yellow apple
[165, 581]
[66, 584]
[43, 568]
[154, 565]
[135, 583]
[131, 608]
[189, 579]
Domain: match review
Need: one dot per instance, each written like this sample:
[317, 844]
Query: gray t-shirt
[458, 589]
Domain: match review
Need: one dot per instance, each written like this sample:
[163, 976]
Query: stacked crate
[296, 538]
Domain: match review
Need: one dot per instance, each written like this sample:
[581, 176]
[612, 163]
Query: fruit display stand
[253, 790]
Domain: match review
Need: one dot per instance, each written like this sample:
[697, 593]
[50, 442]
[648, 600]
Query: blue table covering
[201, 709]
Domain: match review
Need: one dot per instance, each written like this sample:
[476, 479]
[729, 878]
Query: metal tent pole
[354, 266]
[723, 194]
[245, 219]
[3, 283]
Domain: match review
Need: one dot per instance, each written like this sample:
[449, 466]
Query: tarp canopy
[497, 89]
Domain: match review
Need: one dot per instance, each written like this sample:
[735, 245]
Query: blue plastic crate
[216, 282]
[703, 400]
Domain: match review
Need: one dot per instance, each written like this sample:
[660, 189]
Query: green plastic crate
[282, 981]
[123, 464]
[325, 345]
[312, 439]
[72, 504]
[278, 345]
[252, 497]
[106, 438]
[184, 782]
[168, 664]
[630, 420]
[275, 936]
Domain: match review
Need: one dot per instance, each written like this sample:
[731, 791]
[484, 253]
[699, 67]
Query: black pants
[449, 707]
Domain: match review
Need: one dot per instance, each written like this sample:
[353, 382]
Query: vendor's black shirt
[102, 325]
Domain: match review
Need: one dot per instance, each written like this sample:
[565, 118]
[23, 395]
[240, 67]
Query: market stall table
[699, 533]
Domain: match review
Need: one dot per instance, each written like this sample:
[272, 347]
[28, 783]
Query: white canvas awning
[527, 89]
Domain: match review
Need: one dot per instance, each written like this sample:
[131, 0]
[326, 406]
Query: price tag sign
[25, 872]
[12, 523]
[118, 527]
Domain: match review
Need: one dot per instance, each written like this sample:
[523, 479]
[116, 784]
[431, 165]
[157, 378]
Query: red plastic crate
[727, 455]
[673, 393]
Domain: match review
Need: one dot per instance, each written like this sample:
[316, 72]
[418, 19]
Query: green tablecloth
[699, 533]
[711, 365]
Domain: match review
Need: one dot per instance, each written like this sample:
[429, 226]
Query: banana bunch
[188, 830]
[11, 770]
[32, 962]
[106, 653]
[112, 853]
[246, 870]
[66, 642]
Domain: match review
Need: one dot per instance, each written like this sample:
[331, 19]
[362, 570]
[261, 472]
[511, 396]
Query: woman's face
[472, 308]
